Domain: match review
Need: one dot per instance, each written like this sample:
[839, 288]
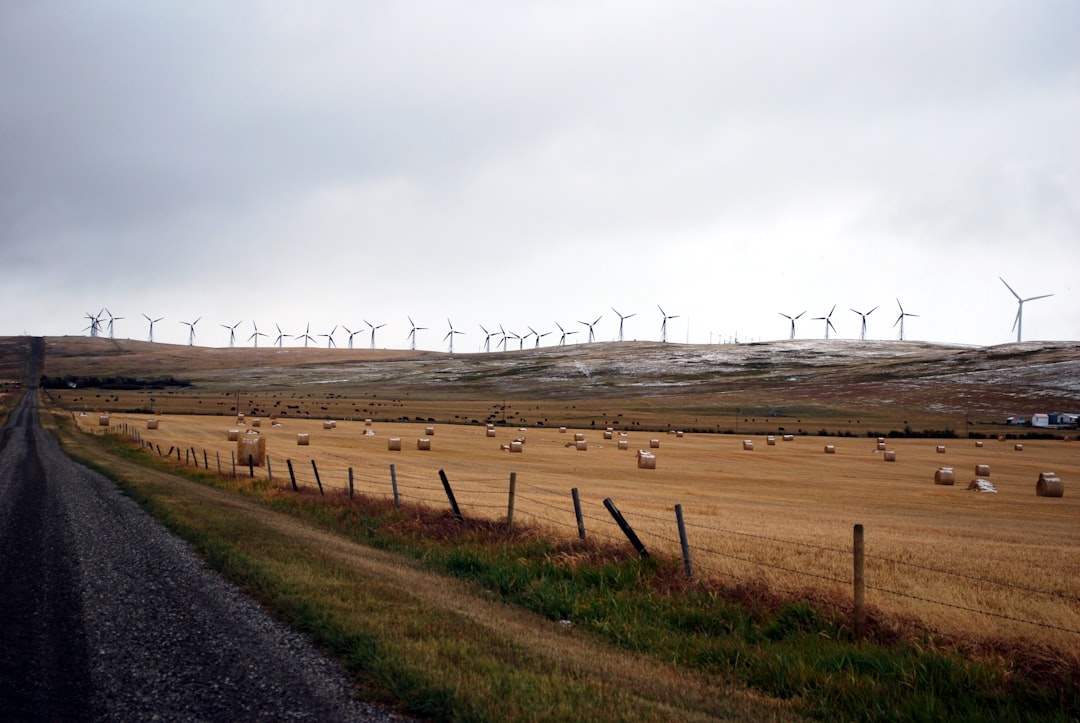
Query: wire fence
[717, 553]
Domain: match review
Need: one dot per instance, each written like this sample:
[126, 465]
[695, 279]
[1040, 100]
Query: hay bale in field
[1001, 437]
[1018, 447]
[581, 445]
[240, 419]
[329, 424]
[517, 446]
[978, 443]
[944, 476]
[654, 443]
[608, 434]
[881, 446]
[748, 445]
[251, 445]
[646, 459]
[256, 422]
[393, 444]
[490, 432]
[233, 435]
[423, 443]
[429, 431]
[981, 485]
[941, 449]
[770, 440]
[624, 444]
[303, 439]
[788, 437]
[890, 455]
[1049, 485]
[830, 449]
[562, 430]
[151, 424]
[678, 433]
[103, 420]
[367, 422]
[982, 470]
[578, 436]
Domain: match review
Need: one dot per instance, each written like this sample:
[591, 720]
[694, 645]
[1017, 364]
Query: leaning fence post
[860, 582]
[625, 527]
[450, 496]
[350, 483]
[292, 475]
[205, 462]
[577, 513]
[195, 457]
[510, 503]
[269, 472]
[684, 542]
[317, 480]
[393, 484]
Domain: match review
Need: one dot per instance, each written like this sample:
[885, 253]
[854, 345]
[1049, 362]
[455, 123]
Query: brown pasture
[979, 565]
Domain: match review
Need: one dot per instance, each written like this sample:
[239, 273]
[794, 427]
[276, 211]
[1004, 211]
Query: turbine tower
[487, 337]
[412, 332]
[663, 323]
[232, 332]
[373, 328]
[828, 320]
[152, 322]
[592, 334]
[450, 334]
[862, 332]
[792, 320]
[111, 320]
[900, 319]
[191, 330]
[1018, 322]
[351, 334]
[280, 335]
[330, 338]
[255, 334]
[306, 336]
[621, 320]
[565, 333]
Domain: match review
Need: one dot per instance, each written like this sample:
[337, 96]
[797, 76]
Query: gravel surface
[105, 615]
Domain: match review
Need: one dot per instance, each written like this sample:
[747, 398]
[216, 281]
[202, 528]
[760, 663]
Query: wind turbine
[412, 332]
[330, 338]
[900, 319]
[663, 323]
[503, 334]
[152, 322]
[450, 334]
[1018, 323]
[306, 336]
[862, 332]
[232, 332]
[792, 320]
[521, 339]
[111, 320]
[255, 334]
[621, 320]
[538, 336]
[280, 335]
[373, 328]
[487, 337]
[95, 323]
[828, 321]
[592, 334]
[565, 333]
[512, 335]
[191, 330]
[351, 334]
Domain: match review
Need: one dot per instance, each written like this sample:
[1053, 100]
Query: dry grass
[779, 515]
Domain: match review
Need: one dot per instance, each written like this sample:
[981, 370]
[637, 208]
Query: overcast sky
[537, 163]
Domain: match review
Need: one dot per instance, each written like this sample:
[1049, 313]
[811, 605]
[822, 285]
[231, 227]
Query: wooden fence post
[251, 466]
[860, 582]
[317, 480]
[450, 496]
[393, 484]
[292, 475]
[351, 494]
[269, 472]
[510, 503]
[233, 456]
[625, 527]
[684, 542]
[195, 457]
[218, 462]
[205, 461]
[577, 513]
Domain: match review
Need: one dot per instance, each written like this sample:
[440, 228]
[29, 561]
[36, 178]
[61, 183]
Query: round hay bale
[608, 434]
[429, 431]
[303, 439]
[748, 445]
[945, 476]
[941, 449]
[624, 444]
[679, 433]
[516, 446]
[1049, 486]
[881, 446]
[830, 449]
[256, 422]
[329, 424]
[890, 455]
[978, 443]
[562, 430]
[1018, 447]
[788, 437]
[253, 446]
[151, 424]
[579, 436]
[393, 444]
[646, 460]
[982, 470]
[367, 422]
[490, 432]
[423, 443]
[103, 420]
[1001, 437]
[581, 445]
[240, 419]
[770, 440]
[654, 443]
[233, 435]
[881, 440]
[982, 485]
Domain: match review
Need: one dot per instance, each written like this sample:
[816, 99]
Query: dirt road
[104, 615]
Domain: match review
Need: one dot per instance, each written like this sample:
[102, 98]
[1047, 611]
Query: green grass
[445, 667]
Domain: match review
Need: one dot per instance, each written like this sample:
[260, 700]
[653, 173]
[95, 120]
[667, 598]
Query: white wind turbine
[828, 320]
[900, 319]
[487, 337]
[663, 323]
[412, 332]
[565, 333]
[592, 334]
[538, 336]
[95, 323]
[232, 332]
[111, 320]
[622, 318]
[792, 320]
[280, 335]
[330, 338]
[306, 336]
[152, 322]
[1018, 322]
[255, 334]
[862, 331]
[450, 335]
[191, 330]
[373, 328]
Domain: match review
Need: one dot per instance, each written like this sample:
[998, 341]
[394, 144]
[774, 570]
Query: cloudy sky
[537, 163]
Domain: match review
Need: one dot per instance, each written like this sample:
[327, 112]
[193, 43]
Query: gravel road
[105, 615]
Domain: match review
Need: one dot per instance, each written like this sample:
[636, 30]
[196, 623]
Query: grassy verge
[463, 621]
